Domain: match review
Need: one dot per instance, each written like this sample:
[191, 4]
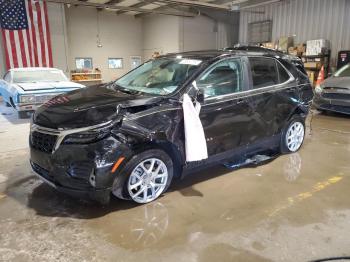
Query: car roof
[231, 51]
[32, 69]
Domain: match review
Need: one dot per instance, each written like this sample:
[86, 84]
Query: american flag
[25, 33]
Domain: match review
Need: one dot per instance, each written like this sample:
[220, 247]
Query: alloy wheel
[147, 180]
[295, 136]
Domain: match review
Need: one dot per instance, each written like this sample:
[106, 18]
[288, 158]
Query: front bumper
[71, 167]
[100, 195]
[334, 105]
[27, 107]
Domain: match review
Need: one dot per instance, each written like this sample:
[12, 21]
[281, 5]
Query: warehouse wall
[306, 19]
[2, 59]
[199, 33]
[167, 34]
[58, 32]
[121, 37]
[160, 34]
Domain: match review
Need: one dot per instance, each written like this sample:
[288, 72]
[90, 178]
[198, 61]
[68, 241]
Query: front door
[224, 112]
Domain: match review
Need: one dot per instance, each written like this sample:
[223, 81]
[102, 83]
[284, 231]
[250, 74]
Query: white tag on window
[190, 62]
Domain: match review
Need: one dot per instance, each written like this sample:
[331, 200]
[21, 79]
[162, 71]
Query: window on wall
[83, 62]
[260, 32]
[135, 61]
[115, 63]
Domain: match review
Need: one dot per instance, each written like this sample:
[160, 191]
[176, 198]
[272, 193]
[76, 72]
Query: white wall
[167, 34]
[199, 33]
[58, 33]
[160, 34]
[121, 37]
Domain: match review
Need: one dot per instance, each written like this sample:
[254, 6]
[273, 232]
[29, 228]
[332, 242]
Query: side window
[264, 72]
[284, 76]
[223, 78]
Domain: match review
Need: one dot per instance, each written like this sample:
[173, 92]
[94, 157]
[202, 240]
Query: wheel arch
[169, 148]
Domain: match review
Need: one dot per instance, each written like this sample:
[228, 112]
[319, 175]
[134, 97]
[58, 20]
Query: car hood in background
[343, 82]
[89, 106]
[48, 85]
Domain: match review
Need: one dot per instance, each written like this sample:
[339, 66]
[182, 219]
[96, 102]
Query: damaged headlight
[89, 136]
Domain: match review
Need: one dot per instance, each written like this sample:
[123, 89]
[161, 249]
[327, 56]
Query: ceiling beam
[137, 5]
[169, 7]
[124, 8]
[113, 2]
[194, 3]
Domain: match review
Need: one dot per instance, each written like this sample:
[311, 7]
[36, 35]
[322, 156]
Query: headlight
[318, 90]
[89, 136]
[27, 99]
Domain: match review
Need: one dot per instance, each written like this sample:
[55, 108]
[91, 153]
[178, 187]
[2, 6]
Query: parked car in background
[334, 93]
[127, 137]
[27, 88]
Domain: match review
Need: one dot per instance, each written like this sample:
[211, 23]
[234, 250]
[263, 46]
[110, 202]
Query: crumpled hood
[343, 82]
[86, 107]
[48, 85]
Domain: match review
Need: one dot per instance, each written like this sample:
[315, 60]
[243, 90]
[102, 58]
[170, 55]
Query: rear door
[272, 93]
[224, 112]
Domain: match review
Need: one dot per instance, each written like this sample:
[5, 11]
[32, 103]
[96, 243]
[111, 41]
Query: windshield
[160, 76]
[343, 72]
[38, 76]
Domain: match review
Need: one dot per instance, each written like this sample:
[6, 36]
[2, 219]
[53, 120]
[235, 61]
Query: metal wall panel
[306, 19]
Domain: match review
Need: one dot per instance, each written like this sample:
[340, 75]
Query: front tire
[145, 177]
[293, 135]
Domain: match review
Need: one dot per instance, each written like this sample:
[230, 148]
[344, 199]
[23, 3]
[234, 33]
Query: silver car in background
[334, 93]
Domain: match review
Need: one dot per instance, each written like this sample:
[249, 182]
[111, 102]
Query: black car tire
[283, 144]
[123, 177]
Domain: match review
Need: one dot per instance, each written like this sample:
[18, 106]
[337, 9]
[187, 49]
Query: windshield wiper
[125, 90]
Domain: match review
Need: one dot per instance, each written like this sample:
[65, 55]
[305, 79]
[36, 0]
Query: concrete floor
[295, 208]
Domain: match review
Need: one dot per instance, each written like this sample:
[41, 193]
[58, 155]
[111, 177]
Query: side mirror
[200, 96]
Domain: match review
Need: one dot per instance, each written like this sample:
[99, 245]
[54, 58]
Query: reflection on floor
[295, 208]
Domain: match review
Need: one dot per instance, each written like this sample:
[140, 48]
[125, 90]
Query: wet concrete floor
[295, 208]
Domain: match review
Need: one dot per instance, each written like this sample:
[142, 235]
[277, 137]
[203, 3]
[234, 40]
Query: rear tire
[145, 177]
[293, 135]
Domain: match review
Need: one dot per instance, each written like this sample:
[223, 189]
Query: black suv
[127, 137]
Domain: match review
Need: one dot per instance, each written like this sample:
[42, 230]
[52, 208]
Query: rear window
[264, 72]
[267, 72]
[284, 76]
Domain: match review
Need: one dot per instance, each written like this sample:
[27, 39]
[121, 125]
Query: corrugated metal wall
[306, 19]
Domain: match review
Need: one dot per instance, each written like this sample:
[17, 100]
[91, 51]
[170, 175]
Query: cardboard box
[317, 47]
[270, 45]
[295, 53]
[292, 49]
[301, 48]
[313, 65]
[285, 42]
